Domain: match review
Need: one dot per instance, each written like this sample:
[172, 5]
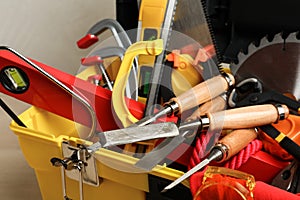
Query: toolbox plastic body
[42, 140]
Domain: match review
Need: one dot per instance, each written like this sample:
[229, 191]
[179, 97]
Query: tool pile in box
[178, 104]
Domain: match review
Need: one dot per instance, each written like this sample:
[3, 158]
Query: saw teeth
[264, 42]
[251, 48]
[278, 38]
[292, 37]
[260, 44]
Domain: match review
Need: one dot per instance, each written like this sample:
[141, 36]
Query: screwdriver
[227, 147]
[197, 95]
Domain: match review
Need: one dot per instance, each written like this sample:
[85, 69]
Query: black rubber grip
[292, 104]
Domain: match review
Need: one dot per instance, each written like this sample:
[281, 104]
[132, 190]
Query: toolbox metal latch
[89, 170]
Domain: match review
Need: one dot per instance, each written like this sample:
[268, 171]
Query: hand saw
[152, 68]
[191, 20]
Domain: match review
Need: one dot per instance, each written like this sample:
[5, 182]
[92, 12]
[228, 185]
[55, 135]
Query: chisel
[134, 134]
[237, 118]
[197, 95]
[227, 147]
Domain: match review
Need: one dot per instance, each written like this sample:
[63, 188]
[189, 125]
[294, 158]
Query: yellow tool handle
[215, 105]
[246, 117]
[121, 110]
[237, 140]
[203, 92]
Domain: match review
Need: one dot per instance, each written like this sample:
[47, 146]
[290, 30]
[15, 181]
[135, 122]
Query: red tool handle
[92, 60]
[87, 41]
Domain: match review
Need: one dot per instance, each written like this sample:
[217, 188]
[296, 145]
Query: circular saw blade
[275, 63]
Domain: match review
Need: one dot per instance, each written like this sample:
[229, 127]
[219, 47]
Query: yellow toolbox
[46, 137]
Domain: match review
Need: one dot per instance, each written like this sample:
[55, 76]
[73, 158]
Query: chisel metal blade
[134, 134]
[186, 175]
[214, 155]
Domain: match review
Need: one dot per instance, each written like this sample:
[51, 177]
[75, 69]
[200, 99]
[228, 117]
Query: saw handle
[246, 117]
[203, 92]
[237, 140]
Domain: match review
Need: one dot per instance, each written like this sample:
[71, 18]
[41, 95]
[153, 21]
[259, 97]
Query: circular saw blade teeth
[277, 38]
[263, 42]
[245, 67]
[292, 37]
[252, 48]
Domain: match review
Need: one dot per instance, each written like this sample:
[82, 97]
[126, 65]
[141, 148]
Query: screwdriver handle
[215, 105]
[247, 117]
[204, 92]
[237, 140]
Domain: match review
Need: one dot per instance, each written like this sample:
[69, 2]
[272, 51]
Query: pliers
[288, 179]
[250, 92]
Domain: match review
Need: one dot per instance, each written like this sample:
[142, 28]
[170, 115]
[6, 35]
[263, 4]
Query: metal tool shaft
[215, 155]
[228, 146]
[152, 118]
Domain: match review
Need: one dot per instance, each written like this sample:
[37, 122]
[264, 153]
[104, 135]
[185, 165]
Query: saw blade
[192, 22]
[275, 63]
[190, 28]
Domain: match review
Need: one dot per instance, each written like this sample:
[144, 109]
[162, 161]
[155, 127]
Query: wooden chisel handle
[237, 140]
[215, 105]
[204, 92]
[247, 117]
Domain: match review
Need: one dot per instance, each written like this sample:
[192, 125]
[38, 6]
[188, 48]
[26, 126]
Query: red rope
[242, 157]
[234, 163]
[198, 152]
